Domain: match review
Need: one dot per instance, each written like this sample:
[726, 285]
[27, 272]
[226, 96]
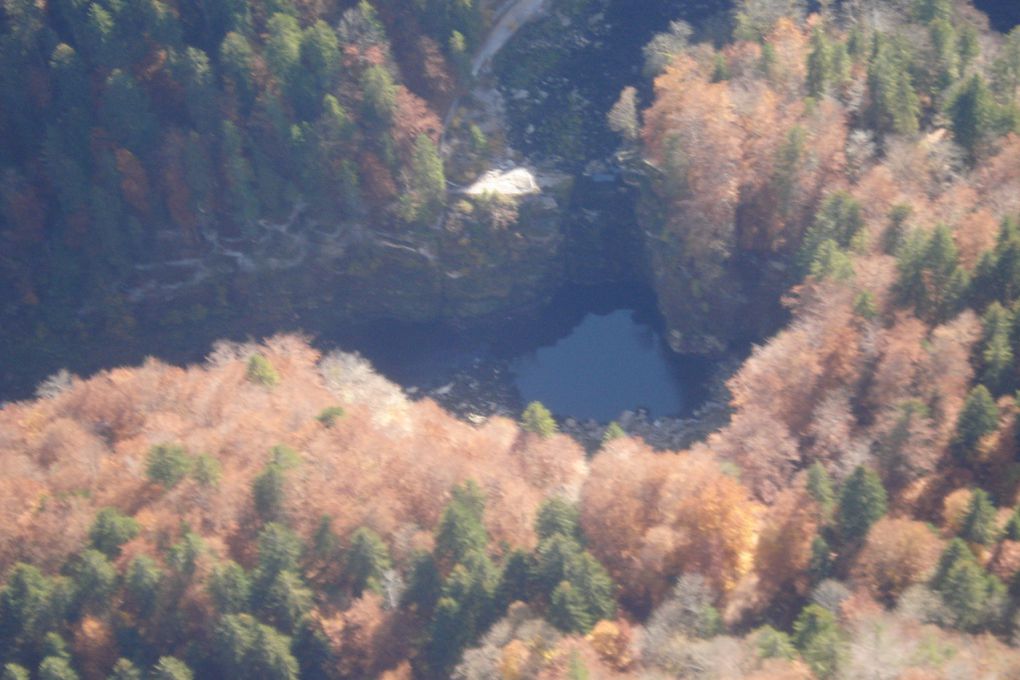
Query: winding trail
[510, 17]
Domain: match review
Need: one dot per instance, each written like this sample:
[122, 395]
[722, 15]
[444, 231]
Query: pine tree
[954, 553]
[124, 670]
[973, 114]
[613, 431]
[515, 579]
[820, 566]
[979, 417]
[819, 486]
[861, 503]
[819, 64]
[1012, 529]
[143, 582]
[995, 350]
[567, 610]
[56, 668]
[537, 419]
[893, 106]
[979, 522]
[13, 671]
[817, 636]
[424, 586]
[170, 668]
[167, 464]
[366, 561]
[111, 530]
[555, 516]
[230, 588]
[774, 644]
[973, 596]
[947, 55]
[461, 531]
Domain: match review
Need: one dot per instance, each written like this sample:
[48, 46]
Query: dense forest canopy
[276, 512]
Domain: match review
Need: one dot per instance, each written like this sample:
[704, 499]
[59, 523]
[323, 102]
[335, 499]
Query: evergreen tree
[267, 493]
[567, 610]
[447, 638]
[820, 566]
[461, 531]
[230, 588]
[380, 94]
[183, 555]
[893, 106]
[286, 600]
[774, 644]
[819, 486]
[973, 115]
[1012, 529]
[94, 579]
[931, 10]
[947, 55]
[56, 668]
[973, 596]
[817, 636]
[124, 670]
[995, 350]
[839, 220]
[170, 668]
[246, 648]
[29, 607]
[613, 431]
[426, 184]
[979, 522]
[861, 503]
[167, 464]
[366, 561]
[515, 579]
[537, 419]
[424, 586]
[979, 417]
[819, 64]
[111, 530]
[954, 553]
[13, 671]
[555, 516]
[261, 372]
[279, 550]
[142, 584]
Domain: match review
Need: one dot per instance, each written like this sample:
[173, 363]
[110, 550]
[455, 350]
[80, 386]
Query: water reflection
[608, 363]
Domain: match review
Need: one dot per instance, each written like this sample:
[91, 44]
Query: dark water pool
[607, 364]
[592, 352]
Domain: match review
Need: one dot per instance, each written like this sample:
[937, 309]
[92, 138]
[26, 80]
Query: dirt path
[510, 20]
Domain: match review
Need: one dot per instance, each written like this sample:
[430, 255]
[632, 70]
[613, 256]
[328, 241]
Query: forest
[281, 512]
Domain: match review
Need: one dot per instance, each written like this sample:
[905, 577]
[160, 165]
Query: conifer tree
[979, 417]
[366, 561]
[817, 636]
[972, 112]
[538, 419]
[567, 610]
[861, 503]
[995, 350]
[979, 522]
[819, 64]
[170, 668]
[893, 106]
[819, 486]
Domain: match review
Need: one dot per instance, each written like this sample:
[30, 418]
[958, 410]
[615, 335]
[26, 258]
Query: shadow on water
[592, 352]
